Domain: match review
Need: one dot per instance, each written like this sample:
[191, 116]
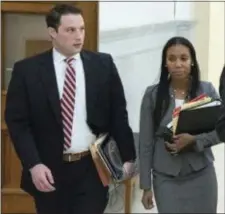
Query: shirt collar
[58, 57]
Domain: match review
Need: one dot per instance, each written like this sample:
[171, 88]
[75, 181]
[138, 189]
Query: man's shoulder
[97, 55]
[33, 59]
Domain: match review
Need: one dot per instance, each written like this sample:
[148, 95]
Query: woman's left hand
[181, 141]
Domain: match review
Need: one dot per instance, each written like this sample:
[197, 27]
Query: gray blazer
[152, 152]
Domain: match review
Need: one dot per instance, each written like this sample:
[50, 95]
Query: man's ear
[52, 32]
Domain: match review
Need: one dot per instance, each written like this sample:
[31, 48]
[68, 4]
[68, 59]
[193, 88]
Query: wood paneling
[14, 200]
[20, 202]
[26, 7]
[3, 51]
[3, 96]
[90, 13]
[34, 47]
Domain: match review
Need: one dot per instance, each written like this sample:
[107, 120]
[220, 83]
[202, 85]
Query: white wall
[184, 10]
[209, 39]
[114, 15]
[201, 36]
[216, 41]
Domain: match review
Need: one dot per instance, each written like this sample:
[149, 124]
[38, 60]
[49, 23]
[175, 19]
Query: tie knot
[69, 60]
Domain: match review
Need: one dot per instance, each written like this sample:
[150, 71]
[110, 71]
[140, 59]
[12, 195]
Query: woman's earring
[168, 76]
[192, 64]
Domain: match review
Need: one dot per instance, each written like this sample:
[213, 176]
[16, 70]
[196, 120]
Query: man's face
[69, 38]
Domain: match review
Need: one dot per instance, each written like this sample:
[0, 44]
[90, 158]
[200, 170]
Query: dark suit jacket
[33, 112]
[220, 127]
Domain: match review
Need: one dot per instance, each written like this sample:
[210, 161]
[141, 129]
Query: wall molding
[132, 32]
[122, 43]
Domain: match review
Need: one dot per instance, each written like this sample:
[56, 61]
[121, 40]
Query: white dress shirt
[82, 136]
[179, 102]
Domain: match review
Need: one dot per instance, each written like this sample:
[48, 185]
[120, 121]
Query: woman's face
[178, 61]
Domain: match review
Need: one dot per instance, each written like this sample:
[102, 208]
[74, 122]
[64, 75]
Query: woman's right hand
[147, 199]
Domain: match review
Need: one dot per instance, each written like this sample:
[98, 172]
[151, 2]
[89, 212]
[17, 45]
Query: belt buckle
[69, 158]
[75, 157]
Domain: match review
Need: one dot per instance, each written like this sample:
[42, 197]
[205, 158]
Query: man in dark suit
[57, 103]
[220, 127]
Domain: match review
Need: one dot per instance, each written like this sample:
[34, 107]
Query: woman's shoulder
[152, 89]
[205, 83]
[206, 86]
[149, 95]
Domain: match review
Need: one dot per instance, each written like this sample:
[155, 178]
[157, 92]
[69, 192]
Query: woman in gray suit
[186, 182]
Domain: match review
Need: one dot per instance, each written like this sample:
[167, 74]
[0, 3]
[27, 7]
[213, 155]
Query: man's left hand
[129, 169]
[181, 141]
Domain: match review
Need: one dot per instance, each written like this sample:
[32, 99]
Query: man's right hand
[147, 199]
[42, 178]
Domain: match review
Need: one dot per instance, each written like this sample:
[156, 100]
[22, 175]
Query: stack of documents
[107, 159]
[103, 171]
[197, 116]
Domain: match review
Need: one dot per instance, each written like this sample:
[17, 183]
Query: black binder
[110, 154]
[199, 120]
[220, 125]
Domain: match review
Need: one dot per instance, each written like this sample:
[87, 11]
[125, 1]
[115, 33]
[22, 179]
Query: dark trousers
[78, 191]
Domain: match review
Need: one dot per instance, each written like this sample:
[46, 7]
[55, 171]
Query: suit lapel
[90, 83]
[48, 77]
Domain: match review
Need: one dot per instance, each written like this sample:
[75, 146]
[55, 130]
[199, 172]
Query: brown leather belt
[70, 157]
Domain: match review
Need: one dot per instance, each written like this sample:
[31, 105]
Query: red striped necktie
[68, 102]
